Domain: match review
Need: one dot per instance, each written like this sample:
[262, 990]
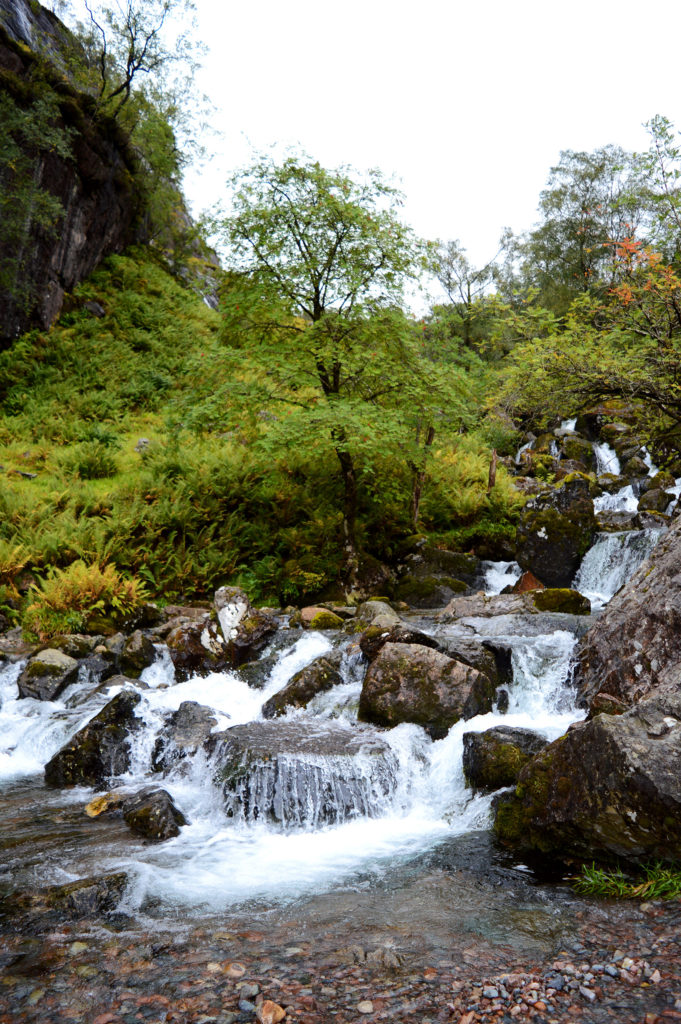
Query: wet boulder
[197, 647]
[373, 638]
[634, 649]
[634, 468]
[610, 788]
[491, 658]
[186, 732]
[428, 591]
[152, 814]
[493, 759]
[317, 617]
[85, 898]
[318, 677]
[137, 653]
[430, 561]
[562, 599]
[578, 449]
[294, 776]
[373, 613]
[411, 683]
[555, 530]
[47, 674]
[100, 750]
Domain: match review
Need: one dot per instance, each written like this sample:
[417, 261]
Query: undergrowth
[656, 882]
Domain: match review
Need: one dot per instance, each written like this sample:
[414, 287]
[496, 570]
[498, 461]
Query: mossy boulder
[430, 561]
[578, 449]
[100, 750]
[663, 479]
[556, 530]
[326, 619]
[562, 599]
[493, 759]
[47, 674]
[610, 788]
[373, 639]
[72, 901]
[428, 591]
[634, 468]
[183, 735]
[655, 500]
[322, 675]
[411, 683]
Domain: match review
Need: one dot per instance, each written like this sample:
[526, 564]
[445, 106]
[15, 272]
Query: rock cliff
[93, 184]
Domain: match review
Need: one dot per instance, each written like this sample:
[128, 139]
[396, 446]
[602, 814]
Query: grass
[656, 882]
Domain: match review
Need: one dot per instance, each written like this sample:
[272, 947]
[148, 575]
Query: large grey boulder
[47, 674]
[634, 649]
[610, 788]
[296, 776]
[412, 683]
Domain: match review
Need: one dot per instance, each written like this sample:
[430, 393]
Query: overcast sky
[467, 104]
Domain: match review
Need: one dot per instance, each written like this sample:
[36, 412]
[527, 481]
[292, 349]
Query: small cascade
[611, 562]
[623, 500]
[499, 575]
[607, 460]
[521, 450]
[569, 426]
[653, 470]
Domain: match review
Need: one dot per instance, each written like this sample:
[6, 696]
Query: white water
[499, 575]
[611, 562]
[216, 861]
[606, 459]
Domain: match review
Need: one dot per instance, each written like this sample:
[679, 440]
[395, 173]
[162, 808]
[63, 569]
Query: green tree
[591, 202]
[465, 287]
[324, 351]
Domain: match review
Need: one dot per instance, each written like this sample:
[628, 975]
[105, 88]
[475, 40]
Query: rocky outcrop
[635, 647]
[609, 788]
[286, 773]
[555, 530]
[493, 759]
[319, 677]
[94, 185]
[245, 629]
[100, 750]
[47, 674]
[411, 683]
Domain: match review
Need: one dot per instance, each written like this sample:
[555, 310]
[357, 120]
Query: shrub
[91, 460]
[69, 599]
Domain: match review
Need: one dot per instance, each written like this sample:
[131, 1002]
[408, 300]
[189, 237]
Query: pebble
[366, 1006]
[588, 993]
[270, 1013]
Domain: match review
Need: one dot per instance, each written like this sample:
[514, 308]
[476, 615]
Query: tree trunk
[351, 558]
[418, 480]
[492, 478]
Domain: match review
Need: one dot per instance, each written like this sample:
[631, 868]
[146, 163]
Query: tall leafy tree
[313, 313]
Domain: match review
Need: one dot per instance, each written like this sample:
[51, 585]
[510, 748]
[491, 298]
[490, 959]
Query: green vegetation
[656, 882]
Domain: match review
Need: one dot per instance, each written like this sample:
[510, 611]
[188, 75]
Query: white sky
[467, 104]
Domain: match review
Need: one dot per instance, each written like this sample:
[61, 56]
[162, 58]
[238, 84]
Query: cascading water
[611, 561]
[499, 575]
[607, 460]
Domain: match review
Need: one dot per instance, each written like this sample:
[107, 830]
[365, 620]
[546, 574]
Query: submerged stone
[318, 677]
[151, 813]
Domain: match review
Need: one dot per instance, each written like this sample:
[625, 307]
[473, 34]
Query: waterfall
[499, 575]
[606, 459]
[611, 562]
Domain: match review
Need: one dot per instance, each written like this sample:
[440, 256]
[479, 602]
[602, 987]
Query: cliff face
[93, 182]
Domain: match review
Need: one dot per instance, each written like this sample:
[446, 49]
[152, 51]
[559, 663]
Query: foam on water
[606, 459]
[499, 575]
[611, 562]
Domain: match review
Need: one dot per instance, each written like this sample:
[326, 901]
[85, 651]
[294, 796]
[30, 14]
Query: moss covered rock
[610, 788]
[493, 759]
[555, 531]
[326, 619]
[428, 591]
[562, 599]
[152, 814]
[655, 500]
[47, 674]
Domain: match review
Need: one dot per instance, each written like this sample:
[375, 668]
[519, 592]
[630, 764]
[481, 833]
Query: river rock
[609, 788]
[428, 591]
[47, 674]
[562, 599]
[373, 639]
[137, 653]
[197, 647]
[84, 898]
[635, 647]
[555, 530]
[578, 449]
[296, 776]
[493, 759]
[317, 617]
[490, 657]
[655, 500]
[374, 613]
[634, 468]
[430, 561]
[411, 683]
[318, 677]
[100, 749]
[151, 813]
[183, 735]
